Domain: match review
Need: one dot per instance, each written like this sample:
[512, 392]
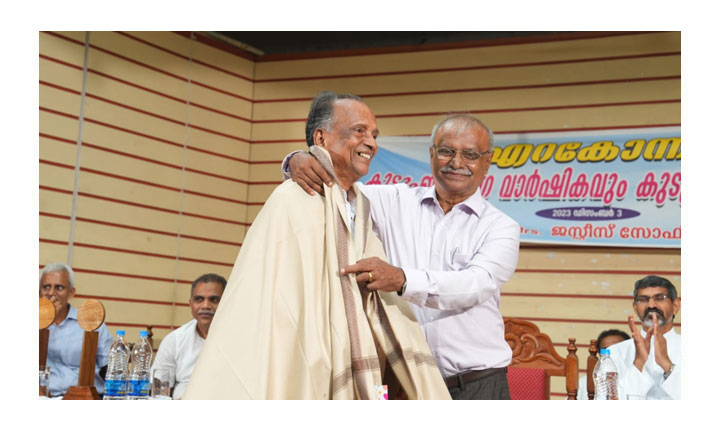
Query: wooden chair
[591, 362]
[535, 360]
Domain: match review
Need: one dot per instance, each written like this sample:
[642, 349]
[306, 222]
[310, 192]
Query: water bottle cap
[120, 333]
[143, 333]
[604, 351]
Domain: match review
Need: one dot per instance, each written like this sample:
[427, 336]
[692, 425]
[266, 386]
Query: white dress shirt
[650, 382]
[179, 351]
[455, 265]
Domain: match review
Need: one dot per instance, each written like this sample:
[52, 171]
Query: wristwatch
[667, 374]
[404, 285]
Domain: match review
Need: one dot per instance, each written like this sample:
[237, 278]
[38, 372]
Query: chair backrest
[533, 349]
[591, 362]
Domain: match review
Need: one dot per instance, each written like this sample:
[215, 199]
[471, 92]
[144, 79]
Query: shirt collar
[475, 202]
[72, 315]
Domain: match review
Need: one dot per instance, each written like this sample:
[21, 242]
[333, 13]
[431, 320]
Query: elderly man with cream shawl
[289, 326]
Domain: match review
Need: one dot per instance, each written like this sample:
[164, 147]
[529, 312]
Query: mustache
[206, 312]
[647, 318]
[448, 169]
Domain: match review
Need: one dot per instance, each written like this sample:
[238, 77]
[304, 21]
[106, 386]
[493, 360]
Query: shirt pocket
[460, 261]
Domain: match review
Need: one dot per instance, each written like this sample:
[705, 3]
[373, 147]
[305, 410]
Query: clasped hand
[642, 345]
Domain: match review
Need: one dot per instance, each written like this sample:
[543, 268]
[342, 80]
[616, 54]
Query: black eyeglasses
[469, 156]
[659, 298]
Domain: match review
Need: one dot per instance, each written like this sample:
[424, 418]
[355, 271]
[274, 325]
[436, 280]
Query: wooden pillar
[591, 362]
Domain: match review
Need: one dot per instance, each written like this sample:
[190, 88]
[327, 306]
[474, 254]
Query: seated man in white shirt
[605, 340]
[649, 364]
[180, 349]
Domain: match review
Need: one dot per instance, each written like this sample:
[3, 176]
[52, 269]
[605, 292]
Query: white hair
[59, 267]
[460, 123]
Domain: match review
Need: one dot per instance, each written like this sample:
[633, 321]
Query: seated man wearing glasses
[649, 363]
[451, 252]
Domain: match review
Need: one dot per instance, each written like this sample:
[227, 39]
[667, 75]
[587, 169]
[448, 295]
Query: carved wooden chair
[535, 360]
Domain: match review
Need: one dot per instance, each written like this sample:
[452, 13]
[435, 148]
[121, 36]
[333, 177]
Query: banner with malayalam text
[605, 187]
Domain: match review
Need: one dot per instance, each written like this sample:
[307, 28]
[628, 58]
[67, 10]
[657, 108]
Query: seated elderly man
[57, 284]
[180, 349]
[289, 325]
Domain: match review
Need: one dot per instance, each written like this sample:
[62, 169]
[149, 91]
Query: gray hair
[208, 278]
[655, 281]
[461, 122]
[59, 267]
[321, 115]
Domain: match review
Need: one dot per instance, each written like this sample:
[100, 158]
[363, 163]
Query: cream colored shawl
[290, 327]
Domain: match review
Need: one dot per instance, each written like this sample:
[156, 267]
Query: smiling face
[457, 179]
[351, 141]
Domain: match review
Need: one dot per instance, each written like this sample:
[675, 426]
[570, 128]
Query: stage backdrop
[604, 187]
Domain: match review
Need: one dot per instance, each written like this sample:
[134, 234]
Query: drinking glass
[44, 375]
[162, 381]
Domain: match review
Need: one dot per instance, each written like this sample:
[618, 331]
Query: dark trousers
[493, 387]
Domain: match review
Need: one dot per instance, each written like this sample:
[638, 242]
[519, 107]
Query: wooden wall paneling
[276, 151]
[221, 187]
[224, 226]
[219, 122]
[212, 251]
[137, 264]
[508, 76]
[51, 252]
[56, 176]
[136, 73]
[233, 146]
[124, 239]
[58, 126]
[121, 117]
[54, 202]
[219, 165]
[127, 190]
[59, 100]
[99, 161]
[601, 259]
[59, 47]
[592, 283]
[131, 212]
[267, 171]
[55, 150]
[134, 288]
[50, 71]
[136, 51]
[53, 228]
[137, 99]
[132, 144]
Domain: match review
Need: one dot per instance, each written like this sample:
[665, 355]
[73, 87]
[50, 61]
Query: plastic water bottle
[605, 376]
[117, 371]
[139, 383]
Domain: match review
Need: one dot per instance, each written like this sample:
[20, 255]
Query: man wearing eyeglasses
[649, 363]
[450, 253]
